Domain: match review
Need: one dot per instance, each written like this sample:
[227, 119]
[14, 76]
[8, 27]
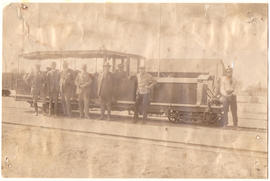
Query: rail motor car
[185, 91]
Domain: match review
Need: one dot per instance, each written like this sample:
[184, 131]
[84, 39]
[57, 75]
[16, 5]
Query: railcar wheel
[212, 119]
[174, 116]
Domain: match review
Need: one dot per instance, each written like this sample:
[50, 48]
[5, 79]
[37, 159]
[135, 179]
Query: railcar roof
[203, 65]
[40, 55]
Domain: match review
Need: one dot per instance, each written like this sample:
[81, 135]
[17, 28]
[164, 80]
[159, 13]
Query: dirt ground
[41, 152]
[46, 152]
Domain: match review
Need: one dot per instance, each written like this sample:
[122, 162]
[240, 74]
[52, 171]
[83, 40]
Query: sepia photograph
[134, 90]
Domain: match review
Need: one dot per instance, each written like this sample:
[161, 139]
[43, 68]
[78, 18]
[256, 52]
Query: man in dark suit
[53, 79]
[36, 80]
[66, 88]
[105, 90]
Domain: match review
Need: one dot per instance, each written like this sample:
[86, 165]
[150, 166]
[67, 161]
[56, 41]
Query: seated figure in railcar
[119, 77]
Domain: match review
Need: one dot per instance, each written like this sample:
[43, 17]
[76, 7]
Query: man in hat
[83, 83]
[145, 82]
[36, 80]
[44, 92]
[66, 88]
[227, 90]
[53, 80]
[105, 90]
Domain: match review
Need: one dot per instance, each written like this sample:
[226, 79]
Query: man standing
[36, 81]
[227, 90]
[66, 88]
[144, 82]
[44, 91]
[83, 83]
[105, 90]
[53, 79]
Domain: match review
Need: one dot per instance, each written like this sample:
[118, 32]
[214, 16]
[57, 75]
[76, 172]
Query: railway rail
[171, 144]
[158, 119]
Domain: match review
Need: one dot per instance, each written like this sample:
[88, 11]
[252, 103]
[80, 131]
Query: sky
[235, 33]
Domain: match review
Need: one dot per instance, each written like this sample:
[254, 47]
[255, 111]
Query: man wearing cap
[105, 90]
[36, 80]
[66, 88]
[145, 82]
[227, 90]
[53, 79]
[83, 83]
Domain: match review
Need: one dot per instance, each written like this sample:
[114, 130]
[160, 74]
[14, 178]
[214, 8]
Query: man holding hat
[145, 82]
[36, 81]
[105, 90]
[227, 90]
[83, 83]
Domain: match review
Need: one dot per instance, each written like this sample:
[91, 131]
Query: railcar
[186, 89]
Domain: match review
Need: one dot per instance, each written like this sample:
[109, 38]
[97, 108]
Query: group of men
[63, 83]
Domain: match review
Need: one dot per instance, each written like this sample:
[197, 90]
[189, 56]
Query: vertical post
[159, 40]
[138, 64]
[128, 65]
[104, 61]
[113, 64]
[18, 72]
[96, 65]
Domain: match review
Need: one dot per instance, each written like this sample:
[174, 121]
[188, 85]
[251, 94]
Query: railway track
[157, 142]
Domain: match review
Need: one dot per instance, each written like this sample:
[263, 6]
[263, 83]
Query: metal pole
[159, 40]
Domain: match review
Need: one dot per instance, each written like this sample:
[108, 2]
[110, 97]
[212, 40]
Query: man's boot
[109, 116]
[36, 109]
[102, 114]
[144, 118]
[109, 113]
[50, 109]
[44, 109]
[55, 109]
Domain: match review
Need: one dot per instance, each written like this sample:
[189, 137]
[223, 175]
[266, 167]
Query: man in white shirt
[83, 82]
[227, 90]
[145, 82]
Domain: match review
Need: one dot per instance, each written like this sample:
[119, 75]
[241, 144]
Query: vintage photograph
[134, 90]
